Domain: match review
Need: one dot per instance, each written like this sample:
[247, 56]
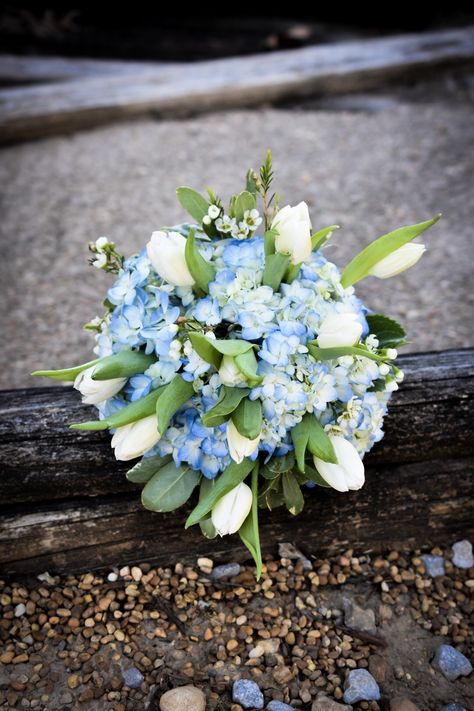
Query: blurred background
[103, 113]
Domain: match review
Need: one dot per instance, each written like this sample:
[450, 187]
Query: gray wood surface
[66, 504]
[64, 106]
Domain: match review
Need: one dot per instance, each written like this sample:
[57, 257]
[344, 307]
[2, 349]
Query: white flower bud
[95, 391]
[399, 260]
[166, 253]
[101, 242]
[230, 374]
[240, 446]
[100, 261]
[133, 440]
[294, 232]
[206, 220]
[339, 330]
[384, 369]
[213, 211]
[349, 472]
[391, 353]
[232, 509]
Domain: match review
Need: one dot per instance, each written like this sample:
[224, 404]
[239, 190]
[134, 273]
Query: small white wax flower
[213, 212]
[399, 260]
[101, 242]
[100, 261]
[206, 220]
[384, 369]
[349, 471]
[232, 509]
[391, 353]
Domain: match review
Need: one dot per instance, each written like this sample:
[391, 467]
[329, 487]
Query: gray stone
[247, 693]
[325, 703]
[183, 698]
[228, 570]
[451, 662]
[453, 707]
[378, 667]
[402, 703]
[278, 706]
[288, 550]
[360, 685]
[434, 564]
[359, 618]
[133, 677]
[462, 554]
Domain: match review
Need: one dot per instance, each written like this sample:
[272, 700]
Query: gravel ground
[368, 165]
[118, 641]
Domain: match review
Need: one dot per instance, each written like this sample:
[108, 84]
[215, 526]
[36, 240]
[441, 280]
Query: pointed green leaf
[315, 476]
[169, 488]
[291, 491]
[338, 352]
[388, 331]
[146, 468]
[205, 349]
[247, 364]
[174, 396]
[319, 239]
[248, 532]
[300, 437]
[202, 271]
[247, 418]
[123, 364]
[269, 241]
[291, 273]
[130, 413]
[230, 477]
[207, 527]
[360, 266]
[193, 202]
[66, 373]
[275, 267]
[245, 201]
[232, 346]
[229, 398]
[319, 443]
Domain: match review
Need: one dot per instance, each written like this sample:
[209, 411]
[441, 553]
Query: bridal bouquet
[233, 357]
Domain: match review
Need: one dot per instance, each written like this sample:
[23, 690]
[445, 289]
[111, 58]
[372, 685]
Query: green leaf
[291, 491]
[169, 488]
[281, 464]
[247, 364]
[230, 477]
[131, 413]
[275, 268]
[291, 273]
[232, 346]
[248, 531]
[245, 201]
[146, 468]
[250, 182]
[229, 398]
[269, 241]
[175, 394]
[320, 238]
[247, 418]
[313, 475]
[205, 349]
[123, 364]
[360, 266]
[66, 373]
[300, 437]
[388, 331]
[339, 351]
[319, 442]
[193, 202]
[207, 527]
[202, 271]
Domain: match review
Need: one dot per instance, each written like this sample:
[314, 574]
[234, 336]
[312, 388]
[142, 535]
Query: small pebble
[278, 706]
[325, 703]
[453, 707]
[183, 698]
[247, 693]
[359, 618]
[228, 570]
[402, 703]
[462, 554]
[20, 610]
[360, 685]
[434, 564]
[132, 677]
[112, 577]
[451, 663]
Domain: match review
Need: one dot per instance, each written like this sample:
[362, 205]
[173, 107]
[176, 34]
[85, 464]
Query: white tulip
[399, 260]
[166, 253]
[95, 391]
[133, 440]
[232, 509]
[348, 473]
[339, 330]
[294, 232]
[240, 446]
[230, 374]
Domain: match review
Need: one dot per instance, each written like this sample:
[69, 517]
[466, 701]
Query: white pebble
[112, 577]
[20, 610]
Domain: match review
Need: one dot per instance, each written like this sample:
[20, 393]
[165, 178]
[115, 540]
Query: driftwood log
[107, 91]
[66, 504]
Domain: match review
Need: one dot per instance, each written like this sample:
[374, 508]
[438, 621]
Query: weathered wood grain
[37, 111]
[66, 504]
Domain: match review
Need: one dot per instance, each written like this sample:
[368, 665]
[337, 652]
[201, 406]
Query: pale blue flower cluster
[348, 394]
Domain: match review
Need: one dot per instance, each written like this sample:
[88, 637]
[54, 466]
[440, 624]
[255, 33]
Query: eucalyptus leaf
[389, 332]
[247, 417]
[275, 268]
[229, 398]
[193, 202]
[232, 346]
[339, 351]
[294, 499]
[319, 442]
[300, 437]
[123, 364]
[363, 262]
[281, 464]
[169, 488]
[174, 396]
[130, 413]
[247, 364]
[227, 480]
[245, 201]
[146, 468]
[205, 349]
[248, 531]
[319, 239]
[202, 271]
